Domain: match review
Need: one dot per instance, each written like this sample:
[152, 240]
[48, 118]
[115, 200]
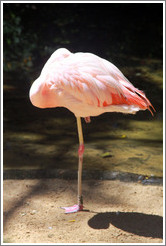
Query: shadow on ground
[137, 223]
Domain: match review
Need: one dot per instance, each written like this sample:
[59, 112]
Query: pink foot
[75, 208]
[87, 119]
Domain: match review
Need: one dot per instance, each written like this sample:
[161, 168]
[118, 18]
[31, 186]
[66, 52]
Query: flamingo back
[88, 85]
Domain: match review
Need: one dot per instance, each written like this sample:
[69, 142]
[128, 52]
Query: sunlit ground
[35, 138]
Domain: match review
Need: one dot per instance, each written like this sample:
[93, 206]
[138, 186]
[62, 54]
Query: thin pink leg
[80, 163]
[79, 206]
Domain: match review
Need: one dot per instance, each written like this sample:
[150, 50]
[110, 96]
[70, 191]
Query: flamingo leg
[79, 206]
[80, 162]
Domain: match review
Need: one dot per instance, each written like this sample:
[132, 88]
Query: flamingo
[88, 86]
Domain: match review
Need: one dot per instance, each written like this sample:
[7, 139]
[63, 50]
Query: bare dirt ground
[115, 212]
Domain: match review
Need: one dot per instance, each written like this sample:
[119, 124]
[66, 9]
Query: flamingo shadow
[137, 223]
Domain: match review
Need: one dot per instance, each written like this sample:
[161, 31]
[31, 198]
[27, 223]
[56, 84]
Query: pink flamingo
[88, 86]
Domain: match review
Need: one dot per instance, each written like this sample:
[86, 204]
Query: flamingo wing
[87, 78]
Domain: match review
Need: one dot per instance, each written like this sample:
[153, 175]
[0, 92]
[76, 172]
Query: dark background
[32, 31]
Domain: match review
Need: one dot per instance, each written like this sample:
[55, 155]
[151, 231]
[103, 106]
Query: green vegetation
[32, 31]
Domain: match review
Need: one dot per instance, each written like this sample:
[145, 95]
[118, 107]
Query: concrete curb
[86, 175]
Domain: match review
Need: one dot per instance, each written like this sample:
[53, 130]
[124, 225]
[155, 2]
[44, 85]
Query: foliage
[32, 31]
[17, 51]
